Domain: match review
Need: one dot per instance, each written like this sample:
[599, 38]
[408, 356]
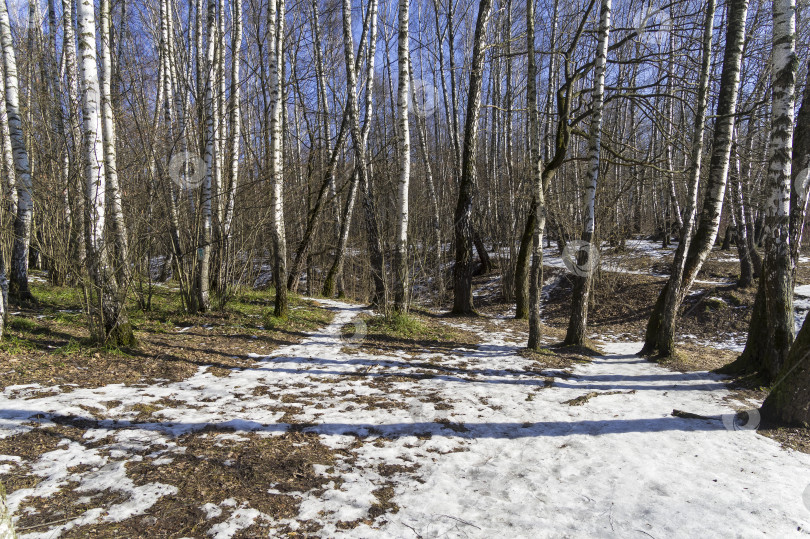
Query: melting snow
[507, 457]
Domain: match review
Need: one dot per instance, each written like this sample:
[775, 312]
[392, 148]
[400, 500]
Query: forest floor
[339, 422]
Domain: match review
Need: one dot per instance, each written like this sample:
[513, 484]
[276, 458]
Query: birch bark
[22, 166]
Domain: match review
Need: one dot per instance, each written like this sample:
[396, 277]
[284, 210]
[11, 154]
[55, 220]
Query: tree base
[121, 336]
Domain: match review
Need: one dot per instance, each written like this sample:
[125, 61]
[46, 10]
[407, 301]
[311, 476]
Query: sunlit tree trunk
[771, 330]
[746, 278]
[9, 183]
[276, 37]
[421, 132]
[578, 322]
[110, 325]
[202, 296]
[358, 138]
[661, 325]
[25, 204]
[463, 228]
[404, 146]
[539, 202]
[108, 129]
[235, 124]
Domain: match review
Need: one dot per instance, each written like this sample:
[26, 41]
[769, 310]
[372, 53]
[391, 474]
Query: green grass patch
[15, 345]
[401, 325]
[304, 315]
[714, 304]
[24, 324]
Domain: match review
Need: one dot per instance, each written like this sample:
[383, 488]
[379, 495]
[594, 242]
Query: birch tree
[202, 294]
[110, 323]
[235, 124]
[358, 139]
[539, 201]
[276, 37]
[404, 144]
[25, 204]
[108, 130]
[693, 251]
[578, 321]
[771, 330]
[463, 227]
[789, 400]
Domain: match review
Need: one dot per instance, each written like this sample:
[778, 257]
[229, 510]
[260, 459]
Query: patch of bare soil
[419, 332]
[621, 304]
[795, 438]
[692, 357]
[266, 473]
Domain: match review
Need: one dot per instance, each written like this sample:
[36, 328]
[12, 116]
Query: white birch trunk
[25, 206]
[539, 209]
[358, 138]
[9, 185]
[111, 323]
[777, 273]
[235, 118]
[578, 322]
[672, 288]
[204, 249]
[276, 37]
[404, 147]
[109, 136]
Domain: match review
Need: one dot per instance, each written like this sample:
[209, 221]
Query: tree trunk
[789, 400]
[692, 252]
[9, 183]
[404, 146]
[235, 133]
[538, 201]
[25, 205]
[110, 324]
[463, 228]
[202, 297]
[578, 323]
[746, 278]
[276, 37]
[771, 330]
[358, 138]
[108, 129]
[436, 226]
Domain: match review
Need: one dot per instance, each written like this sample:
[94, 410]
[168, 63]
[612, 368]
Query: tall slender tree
[404, 144]
[538, 201]
[276, 37]
[693, 251]
[109, 323]
[22, 165]
[463, 228]
[578, 321]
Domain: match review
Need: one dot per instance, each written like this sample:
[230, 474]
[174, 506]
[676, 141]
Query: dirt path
[462, 443]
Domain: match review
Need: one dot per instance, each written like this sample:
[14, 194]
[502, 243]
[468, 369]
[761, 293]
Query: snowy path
[489, 449]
